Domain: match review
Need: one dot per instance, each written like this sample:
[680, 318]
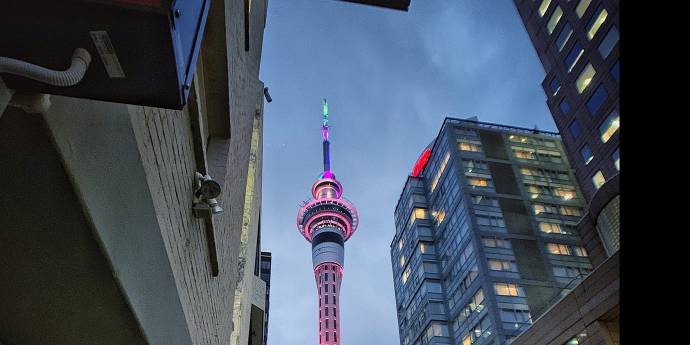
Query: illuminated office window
[610, 126]
[508, 289]
[582, 7]
[598, 179]
[557, 248]
[597, 20]
[434, 182]
[617, 159]
[543, 7]
[555, 18]
[585, 78]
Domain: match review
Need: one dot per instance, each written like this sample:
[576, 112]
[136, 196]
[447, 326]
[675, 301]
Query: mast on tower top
[326, 144]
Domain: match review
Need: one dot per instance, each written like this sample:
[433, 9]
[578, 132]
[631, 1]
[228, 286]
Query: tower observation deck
[328, 221]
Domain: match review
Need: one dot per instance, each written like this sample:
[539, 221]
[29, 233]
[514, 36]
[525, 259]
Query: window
[555, 18]
[617, 159]
[574, 56]
[557, 248]
[572, 341]
[419, 213]
[587, 154]
[596, 21]
[434, 182]
[515, 316]
[570, 211]
[609, 42]
[565, 106]
[478, 182]
[493, 242]
[598, 179]
[616, 71]
[564, 193]
[555, 86]
[508, 289]
[585, 78]
[582, 7]
[502, 265]
[610, 126]
[597, 99]
[402, 260]
[546, 209]
[406, 274]
[579, 251]
[543, 7]
[553, 228]
[575, 129]
[564, 36]
[469, 146]
[524, 153]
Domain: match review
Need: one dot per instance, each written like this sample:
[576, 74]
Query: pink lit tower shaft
[327, 221]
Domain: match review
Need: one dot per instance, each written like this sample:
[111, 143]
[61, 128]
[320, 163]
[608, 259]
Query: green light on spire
[325, 112]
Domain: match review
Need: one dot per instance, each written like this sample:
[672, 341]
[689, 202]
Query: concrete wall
[591, 310]
[132, 170]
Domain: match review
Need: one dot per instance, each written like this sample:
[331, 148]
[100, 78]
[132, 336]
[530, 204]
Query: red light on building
[421, 162]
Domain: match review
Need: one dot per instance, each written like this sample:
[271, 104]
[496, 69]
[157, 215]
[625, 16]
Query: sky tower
[327, 221]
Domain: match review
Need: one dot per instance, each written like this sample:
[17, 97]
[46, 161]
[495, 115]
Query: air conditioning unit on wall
[142, 51]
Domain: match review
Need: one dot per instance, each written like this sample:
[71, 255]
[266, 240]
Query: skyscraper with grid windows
[486, 234]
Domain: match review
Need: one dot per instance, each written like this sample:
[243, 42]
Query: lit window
[582, 7]
[478, 182]
[543, 7]
[596, 22]
[610, 126]
[575, 129]
[565, 106]
[406, 275]
[558, 249]
[565, 194]
[553, 228]
[401, 243]
[402, 261]
[598, 179]
[597, 99]
[507, 289]
[609, 42]
[555, 86]
[439, 216]
[564, 36]
[585, 78]
[469, 146]
[616, 159]
[572, 341]
[587, 154]
[524, 153]
[555, 18]
[434, 182]
[418, 213]
[616, 71]
[574, 56]
[501, 265]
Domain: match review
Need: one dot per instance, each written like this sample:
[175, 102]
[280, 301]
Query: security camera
[267, 95]
[207, 187]
[215, 208]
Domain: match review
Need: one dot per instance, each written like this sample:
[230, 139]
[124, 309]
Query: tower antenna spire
[326, 144]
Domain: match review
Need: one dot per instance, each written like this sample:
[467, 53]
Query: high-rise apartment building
[327, 222]
[486, 234]
[577, 42]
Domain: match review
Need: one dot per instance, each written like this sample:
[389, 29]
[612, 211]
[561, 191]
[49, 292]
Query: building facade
[578, 44]
[486, 234]
[265, 274]
[327, 222]
[113, 251]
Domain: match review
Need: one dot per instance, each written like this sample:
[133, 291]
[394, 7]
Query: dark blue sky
[390, 78]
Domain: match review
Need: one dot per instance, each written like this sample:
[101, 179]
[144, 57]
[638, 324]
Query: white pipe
[71, 76]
